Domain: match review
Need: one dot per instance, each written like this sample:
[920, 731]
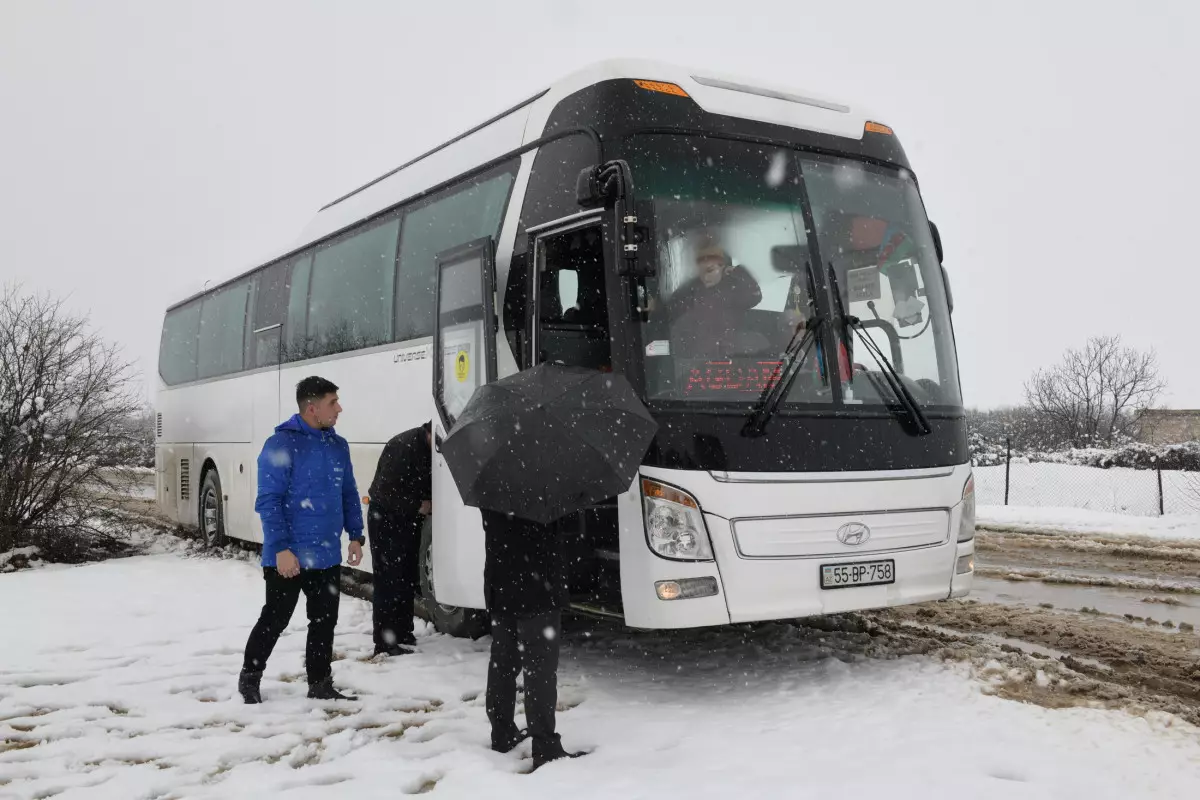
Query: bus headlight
[966, 524]
[674, 525]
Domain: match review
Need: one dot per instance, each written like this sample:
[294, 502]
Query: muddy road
[1072, 620]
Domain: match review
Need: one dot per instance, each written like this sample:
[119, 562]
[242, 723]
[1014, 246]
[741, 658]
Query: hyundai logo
[853, 534]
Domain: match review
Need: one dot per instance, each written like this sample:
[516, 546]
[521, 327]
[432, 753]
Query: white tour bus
[798, 469]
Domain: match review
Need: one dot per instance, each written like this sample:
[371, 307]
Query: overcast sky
[148, 146]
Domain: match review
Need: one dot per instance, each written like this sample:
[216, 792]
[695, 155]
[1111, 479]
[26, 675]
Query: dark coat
[706, 322]
[523, 571]
[403, 477]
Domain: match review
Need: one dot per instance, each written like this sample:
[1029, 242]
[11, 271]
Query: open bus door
[464, 359]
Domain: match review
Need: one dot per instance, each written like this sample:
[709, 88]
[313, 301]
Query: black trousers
[394, 541]
[322, 593]
[530, 643]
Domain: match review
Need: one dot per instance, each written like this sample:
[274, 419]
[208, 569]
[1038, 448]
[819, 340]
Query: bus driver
[707, 313]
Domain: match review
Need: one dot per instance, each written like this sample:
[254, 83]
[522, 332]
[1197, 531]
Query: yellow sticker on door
[462, 366]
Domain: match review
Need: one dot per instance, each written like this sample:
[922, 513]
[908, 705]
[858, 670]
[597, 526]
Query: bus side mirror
[588, 192]
[937, 242]
[949, 294]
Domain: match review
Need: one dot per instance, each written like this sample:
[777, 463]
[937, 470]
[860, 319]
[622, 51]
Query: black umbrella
[548, 441]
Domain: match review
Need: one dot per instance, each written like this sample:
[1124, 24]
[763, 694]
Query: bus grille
[185, 479]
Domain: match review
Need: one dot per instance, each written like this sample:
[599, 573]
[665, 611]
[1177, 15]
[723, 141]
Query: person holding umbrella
[527, 451]
[524, 588]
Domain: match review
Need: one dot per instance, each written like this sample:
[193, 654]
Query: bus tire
[464, 623]
[212, 511]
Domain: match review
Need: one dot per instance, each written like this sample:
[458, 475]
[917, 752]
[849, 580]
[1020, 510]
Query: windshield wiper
[907, 402]
[794, 357]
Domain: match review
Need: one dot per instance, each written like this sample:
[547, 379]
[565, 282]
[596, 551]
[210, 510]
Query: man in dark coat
[525, 591]
[400, 499]
[707, 314]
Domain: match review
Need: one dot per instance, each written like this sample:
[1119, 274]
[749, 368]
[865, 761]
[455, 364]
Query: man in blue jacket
[306, 497]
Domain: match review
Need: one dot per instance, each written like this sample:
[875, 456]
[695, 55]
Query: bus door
[464, 359]
[568, 322]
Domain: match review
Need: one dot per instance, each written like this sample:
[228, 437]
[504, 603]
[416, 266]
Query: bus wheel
[464, 623]
[212, 511]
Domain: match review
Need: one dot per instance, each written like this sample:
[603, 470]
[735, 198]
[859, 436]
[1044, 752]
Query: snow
[1078, 520]
[1120, 489]
[1131, 491]
[119, 679]
[25, 553]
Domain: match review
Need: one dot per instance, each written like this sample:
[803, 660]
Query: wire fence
[1123, 490]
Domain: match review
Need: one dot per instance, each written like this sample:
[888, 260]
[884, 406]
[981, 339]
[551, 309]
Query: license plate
[861, 573]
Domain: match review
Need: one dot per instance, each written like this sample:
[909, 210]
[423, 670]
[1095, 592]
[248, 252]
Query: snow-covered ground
[1118, 489]
[117, 681]
[1077, 520]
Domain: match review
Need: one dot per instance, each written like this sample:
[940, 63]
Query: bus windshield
[738, 273]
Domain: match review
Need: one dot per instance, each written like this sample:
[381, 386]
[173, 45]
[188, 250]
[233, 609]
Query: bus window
[573, 310]
[461, 214]
[295, 343]
[177, 354]
[222, 331]
[351, 292]
[872, 228]
[264, 329]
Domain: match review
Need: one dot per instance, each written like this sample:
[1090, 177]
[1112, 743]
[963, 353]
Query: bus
[756, 261]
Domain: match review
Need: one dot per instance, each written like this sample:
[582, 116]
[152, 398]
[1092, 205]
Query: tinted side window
[177, 350]
[456, 216]
[551, 191]
[271, 299]
[295, 341]
[268, 309]
[350, 296]
[221, 337]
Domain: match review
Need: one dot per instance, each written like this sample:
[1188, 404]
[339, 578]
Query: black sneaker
[248, 687]
[323, 690]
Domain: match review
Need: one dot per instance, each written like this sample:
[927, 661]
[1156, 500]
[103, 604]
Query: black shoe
[323, 690]
[407, 640]
[542, 757]
[394, 650]
[248, 687]
[506, 743]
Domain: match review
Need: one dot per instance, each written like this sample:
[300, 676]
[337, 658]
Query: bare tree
[1094, 395]
[66, 397]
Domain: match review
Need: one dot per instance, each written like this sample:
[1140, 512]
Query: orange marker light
[366, 500]
[658, 491]
[659, 86]
[875, 127]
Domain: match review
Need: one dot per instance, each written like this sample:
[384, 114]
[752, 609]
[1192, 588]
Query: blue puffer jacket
[307, 495]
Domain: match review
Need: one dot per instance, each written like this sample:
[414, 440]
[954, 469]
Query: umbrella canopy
[548, 441]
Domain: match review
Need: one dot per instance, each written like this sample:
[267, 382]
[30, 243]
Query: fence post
[1007, 465]
[1158, 470]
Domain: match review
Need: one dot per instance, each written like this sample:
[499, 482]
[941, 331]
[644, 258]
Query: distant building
[1169, 426]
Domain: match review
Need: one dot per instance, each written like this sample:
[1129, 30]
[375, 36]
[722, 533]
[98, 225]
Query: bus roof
[525, 122]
